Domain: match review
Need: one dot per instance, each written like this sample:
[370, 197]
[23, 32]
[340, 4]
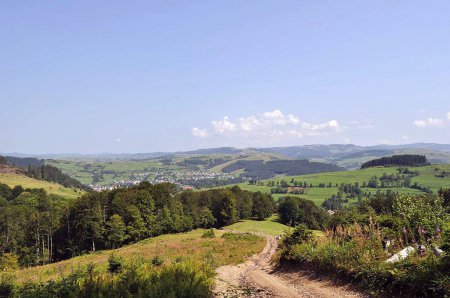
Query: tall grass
[358, 257]
[137, 279]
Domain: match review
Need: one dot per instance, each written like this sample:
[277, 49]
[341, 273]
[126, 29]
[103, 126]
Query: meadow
[51, 188]
[427, 177]
[190, 246]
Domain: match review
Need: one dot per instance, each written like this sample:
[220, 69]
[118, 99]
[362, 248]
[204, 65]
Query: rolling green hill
[14, 179]
[427, 177]
[192, 169]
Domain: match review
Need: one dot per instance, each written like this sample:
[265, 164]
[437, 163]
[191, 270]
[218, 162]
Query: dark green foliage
[299, 235]
[294, 211]
[263, 205]
[259, 169]
[38, 228]
[397, 160]
[115, 264]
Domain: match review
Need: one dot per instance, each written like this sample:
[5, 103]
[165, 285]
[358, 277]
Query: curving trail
[258, 278]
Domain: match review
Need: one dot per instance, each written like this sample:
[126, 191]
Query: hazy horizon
[111, 77]
[205, 148]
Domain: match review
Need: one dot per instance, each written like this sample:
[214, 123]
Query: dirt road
[258, 278]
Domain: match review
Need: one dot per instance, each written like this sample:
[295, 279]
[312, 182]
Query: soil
[258, 277]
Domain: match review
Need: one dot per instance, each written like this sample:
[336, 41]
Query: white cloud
[269, 124]
[199, 133]
[332, 124]
[430, 122]
[277, 117]
[448, 116]
[118, 140]
[224, 125]
[249, 123]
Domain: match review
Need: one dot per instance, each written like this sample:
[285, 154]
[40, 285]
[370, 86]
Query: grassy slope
[52, 188]
[271, 226]
[191, 245]
[318, 195]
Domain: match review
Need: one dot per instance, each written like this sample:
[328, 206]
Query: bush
[8, 262]
[157, 260]
[115, 264]
[299, 235]
[209, 234]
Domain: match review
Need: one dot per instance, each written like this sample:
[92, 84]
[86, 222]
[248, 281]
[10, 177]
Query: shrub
[157, 260]
[299, 235]
[209, 234]
[8, 262]
[115, 264]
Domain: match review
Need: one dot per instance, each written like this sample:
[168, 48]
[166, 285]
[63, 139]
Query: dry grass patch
[188, 246]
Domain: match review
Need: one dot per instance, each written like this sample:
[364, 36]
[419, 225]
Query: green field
[215, 251]
[271, 226]
[427, 177]
[52, 188]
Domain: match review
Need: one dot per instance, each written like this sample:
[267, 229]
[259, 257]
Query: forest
[37, 228]
[37, 169]
[397, 160]
[258, 169]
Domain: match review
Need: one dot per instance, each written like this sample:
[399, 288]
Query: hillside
[190, 246]
[346, 155]
[202, 168]
[322, 186]
[13, 179]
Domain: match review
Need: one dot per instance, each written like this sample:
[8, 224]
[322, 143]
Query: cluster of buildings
[181, 178]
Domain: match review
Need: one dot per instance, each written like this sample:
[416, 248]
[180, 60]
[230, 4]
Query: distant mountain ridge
[344, 155]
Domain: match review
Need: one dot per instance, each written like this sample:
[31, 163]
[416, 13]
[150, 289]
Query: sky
[145, 76]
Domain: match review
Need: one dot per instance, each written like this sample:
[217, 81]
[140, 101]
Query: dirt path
[258, 278]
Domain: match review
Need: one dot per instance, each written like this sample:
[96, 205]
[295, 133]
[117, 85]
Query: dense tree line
[38, 228]
[207, 163]
[397, 160]
[53, 174]
[210, 182]
[259, 169]
[24, 162]
[294, 211]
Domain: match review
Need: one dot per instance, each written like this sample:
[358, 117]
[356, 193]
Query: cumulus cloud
[433, 122]
[199, 133]
[430, 122]
[270, 124]
[224, 125]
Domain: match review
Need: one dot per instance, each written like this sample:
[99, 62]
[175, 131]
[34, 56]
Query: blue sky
[142, 76]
